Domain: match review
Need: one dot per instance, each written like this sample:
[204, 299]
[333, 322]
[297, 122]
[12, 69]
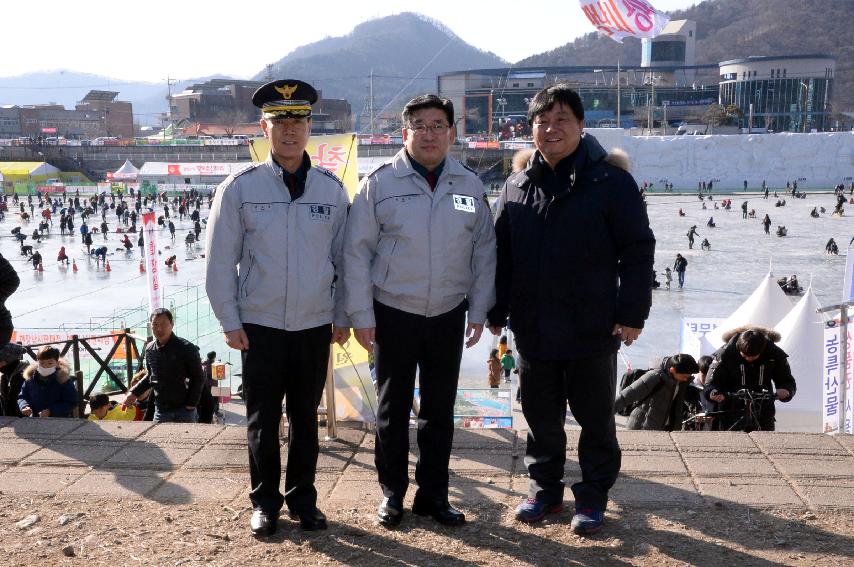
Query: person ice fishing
[711, 223]
[831, 247]
[691, 234]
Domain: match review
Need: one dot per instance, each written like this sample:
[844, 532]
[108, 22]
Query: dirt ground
[142, 532]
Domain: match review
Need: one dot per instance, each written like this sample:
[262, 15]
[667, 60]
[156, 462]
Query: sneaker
[533, 510]
[587, 521]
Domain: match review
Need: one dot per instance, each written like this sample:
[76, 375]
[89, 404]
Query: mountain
[731, 29]
[406, 53]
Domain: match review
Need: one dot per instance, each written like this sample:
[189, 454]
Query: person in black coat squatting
[657, 396]
[574, 274]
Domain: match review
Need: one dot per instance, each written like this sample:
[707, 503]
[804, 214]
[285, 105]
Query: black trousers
[433, 345]
[284, 363]
[588, 385]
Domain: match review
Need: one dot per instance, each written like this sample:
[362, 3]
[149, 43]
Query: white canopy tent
[765, 307]
[127, 172]
[802, 332]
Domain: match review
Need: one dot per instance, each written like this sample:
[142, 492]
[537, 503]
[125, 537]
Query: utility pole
[269, 71]
[371, 101]
[619, 122]
[169, 82]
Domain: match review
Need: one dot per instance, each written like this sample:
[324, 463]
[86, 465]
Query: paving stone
[189, 487]
[809, 466]
[798, 443]
[35, 428]
[363, 492]
[667, 491]
[39, 479]
[346, 438]
[13, 451]
[117, 483]
[645, 439]
[182, 433]
[231, 435]
[707, 465]
[74, 454]
[333, 460]
[493, 462]
[220, 457]
[664, 463]
[846, 441]
[4, 421]
[487, 439]
[467, 490]
[151, 457]
[714, 442]
[829, 493]
[750, 491]
[111, 430]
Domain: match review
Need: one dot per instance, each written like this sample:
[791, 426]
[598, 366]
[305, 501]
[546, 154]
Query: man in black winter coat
[12, 369]
[749, 360]
[174, 371]
[659, 395]
[574, 274]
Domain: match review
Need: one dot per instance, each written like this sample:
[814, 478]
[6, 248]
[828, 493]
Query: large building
[228, 102]
[787, 93]
[97, 115]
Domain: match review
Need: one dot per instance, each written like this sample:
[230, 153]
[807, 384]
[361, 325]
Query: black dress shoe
[310, 519]
[263, 523]
[440, 511]
[390, 512]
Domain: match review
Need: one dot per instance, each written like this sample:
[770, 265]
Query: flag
[618, 19]
[149, 239]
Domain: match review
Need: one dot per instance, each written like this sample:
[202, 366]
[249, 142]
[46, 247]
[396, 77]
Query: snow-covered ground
[716, 283]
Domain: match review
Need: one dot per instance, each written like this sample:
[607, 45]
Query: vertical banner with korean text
[149, 239]
[619, 19]
[832, 382]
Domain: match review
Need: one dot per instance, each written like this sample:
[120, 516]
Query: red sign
[174, 169]
[48, 130]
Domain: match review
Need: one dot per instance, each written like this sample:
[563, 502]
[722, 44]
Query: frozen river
[717, 282]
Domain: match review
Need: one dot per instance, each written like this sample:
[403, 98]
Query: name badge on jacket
[463, 203]
[320, 212]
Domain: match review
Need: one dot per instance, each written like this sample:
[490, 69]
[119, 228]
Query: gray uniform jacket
[272, 261]
[417, 250]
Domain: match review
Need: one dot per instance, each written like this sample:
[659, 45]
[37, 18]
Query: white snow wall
[816, 161]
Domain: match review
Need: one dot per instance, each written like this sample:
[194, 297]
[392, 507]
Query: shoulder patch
[247, 167]
[377, 168]
[331, 175]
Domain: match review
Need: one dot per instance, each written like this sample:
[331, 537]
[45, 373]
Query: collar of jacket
[62, 372]
[301, 173]
[158, 346]
[589, 153]
[401, 166]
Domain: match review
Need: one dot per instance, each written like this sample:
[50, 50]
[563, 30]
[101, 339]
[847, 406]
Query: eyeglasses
[419, 128]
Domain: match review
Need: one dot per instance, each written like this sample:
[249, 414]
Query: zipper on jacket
[248, 272]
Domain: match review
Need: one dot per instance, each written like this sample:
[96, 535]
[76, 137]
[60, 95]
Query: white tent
[802, 332]
[765, 307]
[127, 171]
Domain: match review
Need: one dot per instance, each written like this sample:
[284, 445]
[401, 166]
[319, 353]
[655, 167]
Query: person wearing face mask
[48, 390]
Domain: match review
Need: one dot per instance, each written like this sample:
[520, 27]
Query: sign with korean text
[149, 239]
[619, 19]
[336, 152]
[832, 383]
[692, 332]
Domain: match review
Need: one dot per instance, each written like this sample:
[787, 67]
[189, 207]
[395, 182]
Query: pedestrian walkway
[185, 463]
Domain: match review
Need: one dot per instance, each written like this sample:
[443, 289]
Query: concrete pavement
[185, 463]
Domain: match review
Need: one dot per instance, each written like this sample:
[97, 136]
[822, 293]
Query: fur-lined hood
[62, 376]
[770, 334]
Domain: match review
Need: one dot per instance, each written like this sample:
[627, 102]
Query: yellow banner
[336, 152]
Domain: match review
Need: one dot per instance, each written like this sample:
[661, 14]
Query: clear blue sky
[184, 39]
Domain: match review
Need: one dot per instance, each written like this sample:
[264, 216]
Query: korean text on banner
[619, 19]
[336, 152]
[832, 382]
[149, 238]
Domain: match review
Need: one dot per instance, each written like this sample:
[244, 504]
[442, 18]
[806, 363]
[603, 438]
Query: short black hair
[161, 311]
[704, 363]
[751, 342]
[547, 98]
[212, 355]
[47, 352]
[98, 401]
[683, 364]
[427, 101]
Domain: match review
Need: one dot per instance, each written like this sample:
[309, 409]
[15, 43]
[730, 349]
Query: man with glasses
[419, 254]
[575, 258]
[273, 258]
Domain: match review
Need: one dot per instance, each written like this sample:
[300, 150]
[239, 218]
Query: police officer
[419, 254]
[274, 253]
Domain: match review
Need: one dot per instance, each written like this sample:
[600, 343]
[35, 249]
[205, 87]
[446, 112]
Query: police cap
[287, 98]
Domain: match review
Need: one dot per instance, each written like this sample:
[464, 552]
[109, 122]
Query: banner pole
[331, 420]
[843, 352]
